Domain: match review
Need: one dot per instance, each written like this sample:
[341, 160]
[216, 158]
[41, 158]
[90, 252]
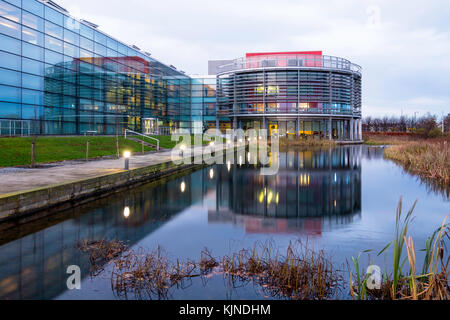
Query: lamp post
[127, 155]
[213, 153]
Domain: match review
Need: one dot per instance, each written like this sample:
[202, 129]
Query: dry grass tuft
[101, 252]
[429, 159]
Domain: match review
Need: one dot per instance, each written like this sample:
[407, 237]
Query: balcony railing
[291, 61]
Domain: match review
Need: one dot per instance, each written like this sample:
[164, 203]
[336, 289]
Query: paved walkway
[20, 179]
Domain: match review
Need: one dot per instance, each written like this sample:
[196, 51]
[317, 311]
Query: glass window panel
[53, 30]
[9, 94]
[53, 57]
[71, 50]
[71, 37]
[100, 38]
[69, 102]
[17, 3]
[86, 44]
[32, 97]
[71, 24]
[32, 82]
[99, 49]
[10, 44]
[33, 6]
[9, 61]
[32, 51]
[122, 49]
[111, 53]
[85, 54]
[32, 21]
[87, 32]
[53, 44]
[111, 43]
[9, 110]
[9, 77]
[32, 36]
[51, 99]
[32, 66]
[52, 85]
[69, 89]
[9, 11]
[53, 16]
[9, 28]
[31, 111]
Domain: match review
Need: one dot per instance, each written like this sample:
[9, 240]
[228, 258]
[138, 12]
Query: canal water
[342, 200]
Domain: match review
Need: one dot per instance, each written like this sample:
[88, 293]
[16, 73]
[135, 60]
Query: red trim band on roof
[255, 54]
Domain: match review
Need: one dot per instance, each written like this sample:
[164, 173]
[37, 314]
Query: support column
[351, 129]
[217, 123]
[330, 129]
[360, 129]
[297, 127]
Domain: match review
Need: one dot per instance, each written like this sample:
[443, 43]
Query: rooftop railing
[290, 61]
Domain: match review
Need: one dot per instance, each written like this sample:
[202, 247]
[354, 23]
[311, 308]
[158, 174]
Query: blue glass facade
[59, 75]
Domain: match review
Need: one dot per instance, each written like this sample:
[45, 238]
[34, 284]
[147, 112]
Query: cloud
[404, 48]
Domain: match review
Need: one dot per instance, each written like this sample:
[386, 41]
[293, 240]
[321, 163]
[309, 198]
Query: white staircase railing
[142, 135]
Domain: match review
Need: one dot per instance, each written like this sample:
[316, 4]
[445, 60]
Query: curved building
[292, 93]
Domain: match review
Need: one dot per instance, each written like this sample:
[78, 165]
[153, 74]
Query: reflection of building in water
[34, 266]
[310, 186]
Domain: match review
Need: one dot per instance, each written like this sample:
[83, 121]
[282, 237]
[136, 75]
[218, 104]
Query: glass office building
[292, 93]
[59, 75]
[62, 76]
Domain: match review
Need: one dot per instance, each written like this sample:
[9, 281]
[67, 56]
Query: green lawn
[17, 151]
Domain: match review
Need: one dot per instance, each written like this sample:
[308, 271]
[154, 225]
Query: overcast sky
[403, 46]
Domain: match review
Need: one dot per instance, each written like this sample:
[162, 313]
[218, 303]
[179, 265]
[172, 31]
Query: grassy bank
[429, 159]
[385, 139]
[17, 151]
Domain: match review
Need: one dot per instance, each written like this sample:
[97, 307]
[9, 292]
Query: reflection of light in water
[249, 157]
[335, 203]
[229, 166]
[211, 173]
[269, 198]
[240, 160]
[126, 212]
[183, 186]
[261, 197]
[335, 177]
[269, 195]
[304, 179]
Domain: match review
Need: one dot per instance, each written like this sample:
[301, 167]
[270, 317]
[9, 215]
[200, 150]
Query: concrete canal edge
[21, 203]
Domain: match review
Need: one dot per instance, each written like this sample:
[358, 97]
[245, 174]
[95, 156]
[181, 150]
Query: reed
[429, 159]
[431, 283]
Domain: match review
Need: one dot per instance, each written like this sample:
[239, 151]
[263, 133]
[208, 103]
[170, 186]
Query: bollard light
[211, 144]
[182, 148]
[127, 155]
